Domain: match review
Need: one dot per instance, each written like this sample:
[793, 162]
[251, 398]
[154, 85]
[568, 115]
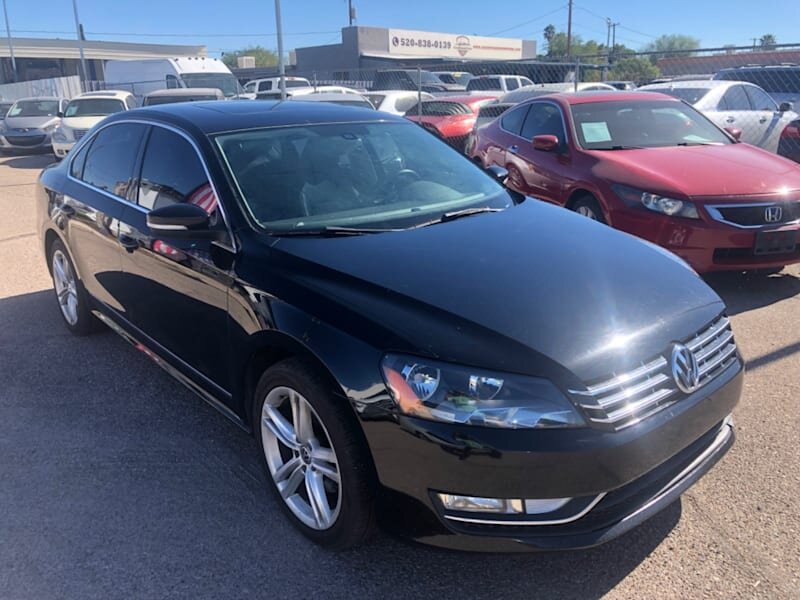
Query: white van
[141, 77]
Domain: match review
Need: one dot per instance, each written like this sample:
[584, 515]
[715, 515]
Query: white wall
[57, 86]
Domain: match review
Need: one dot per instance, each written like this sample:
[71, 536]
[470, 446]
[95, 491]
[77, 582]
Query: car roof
[120, 94]
[226, 115]
[693, 83]
[465, 99]
[605, 96]
[329, 96]
[38, 98]
[185, 92]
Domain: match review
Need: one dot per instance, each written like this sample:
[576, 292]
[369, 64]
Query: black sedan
[409, 342]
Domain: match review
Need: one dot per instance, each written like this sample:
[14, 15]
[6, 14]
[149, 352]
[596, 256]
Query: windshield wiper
[697, 144]
[457, 214]
[620, 148]
[330, 230]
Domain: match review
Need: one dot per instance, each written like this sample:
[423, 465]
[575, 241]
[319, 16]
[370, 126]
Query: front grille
[79, 133]
[625, 399]
[25, 140]
[755, 215]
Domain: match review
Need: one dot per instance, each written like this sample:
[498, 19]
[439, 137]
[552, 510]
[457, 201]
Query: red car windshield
[642, 124]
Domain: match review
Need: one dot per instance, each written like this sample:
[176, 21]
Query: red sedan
[449, 117]
[653, 166]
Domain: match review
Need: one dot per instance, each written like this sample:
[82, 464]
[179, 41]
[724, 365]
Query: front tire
[71, 296]
[314, 455]
[590, 208]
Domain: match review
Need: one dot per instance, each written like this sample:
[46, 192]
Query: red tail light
[792, 130]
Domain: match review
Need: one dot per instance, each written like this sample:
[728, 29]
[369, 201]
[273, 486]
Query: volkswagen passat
[407, 340]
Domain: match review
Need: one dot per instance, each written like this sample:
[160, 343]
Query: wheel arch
[583, 191]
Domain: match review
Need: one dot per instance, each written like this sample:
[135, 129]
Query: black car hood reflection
[509, 289]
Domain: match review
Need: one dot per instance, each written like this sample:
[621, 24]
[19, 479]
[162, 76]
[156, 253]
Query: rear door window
[735, 99]
[264, 86]
[513, 119]
[111, 159]
[543, 119]
[760, 99]
[512, 83]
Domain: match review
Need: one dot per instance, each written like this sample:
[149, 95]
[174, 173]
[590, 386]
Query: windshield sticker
[595, 132]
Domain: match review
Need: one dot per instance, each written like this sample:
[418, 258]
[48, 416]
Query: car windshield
[222, 81]
[523, 94]
[354, 175]
[154, 100]
[447, 78]
[93, 107]
[484, 83]
[642, 124]
[687, 94]
[34, 108]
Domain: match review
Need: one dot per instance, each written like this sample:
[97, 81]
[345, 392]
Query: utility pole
[78, 31]
[279, 31]
[569, 29]
[350, 12]
[608, 35]
[10, 43]
[754, 39]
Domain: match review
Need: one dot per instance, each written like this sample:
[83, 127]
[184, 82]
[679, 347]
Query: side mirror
[734, 132]
[545, 143]
[498, 173]
[180, 221]
[786, 107]
[60, 114]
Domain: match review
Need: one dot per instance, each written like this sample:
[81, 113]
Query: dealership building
[38, 58]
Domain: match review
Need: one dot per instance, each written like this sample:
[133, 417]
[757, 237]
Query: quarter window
[111, 158]
[172, 173]
[543, 119]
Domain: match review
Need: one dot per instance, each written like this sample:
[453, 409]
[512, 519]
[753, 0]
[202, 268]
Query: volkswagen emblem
[773, 214]
[685, 371]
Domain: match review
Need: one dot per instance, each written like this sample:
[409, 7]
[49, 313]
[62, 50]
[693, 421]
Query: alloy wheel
[587, 211]
[300, 458]
[66, 287]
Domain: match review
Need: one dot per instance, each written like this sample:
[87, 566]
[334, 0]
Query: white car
[734, 105]
[496, 85]
[343, 99]
[396, 102]
[306, 91]
[84, 112]
[270, 84]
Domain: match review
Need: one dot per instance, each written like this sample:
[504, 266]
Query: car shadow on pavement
[747, 291]
[119, 482]
[27, 161]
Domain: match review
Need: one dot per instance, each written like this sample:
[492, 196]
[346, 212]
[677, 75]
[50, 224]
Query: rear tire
[590, 208]
[73, 301]
[314, 455]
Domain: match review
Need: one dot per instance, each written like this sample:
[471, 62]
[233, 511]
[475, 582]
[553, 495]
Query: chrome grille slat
[625, 399]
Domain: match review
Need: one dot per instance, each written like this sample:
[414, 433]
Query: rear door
[102, 173]
[734, 110]
[176, 290]
[770, 121]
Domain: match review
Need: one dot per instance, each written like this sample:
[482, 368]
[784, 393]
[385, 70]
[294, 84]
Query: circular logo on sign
[395, 41]
[463, 45]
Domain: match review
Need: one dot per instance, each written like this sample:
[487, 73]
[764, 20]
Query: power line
[539, 18]
[647, 35]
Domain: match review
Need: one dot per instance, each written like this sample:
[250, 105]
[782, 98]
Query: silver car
[734, 105]
[30, 122]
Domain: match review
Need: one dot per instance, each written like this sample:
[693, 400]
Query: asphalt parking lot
[117, 482]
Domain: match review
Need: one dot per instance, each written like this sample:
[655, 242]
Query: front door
[176, 290]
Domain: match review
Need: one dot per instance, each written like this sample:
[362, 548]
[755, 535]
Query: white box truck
[141, 77]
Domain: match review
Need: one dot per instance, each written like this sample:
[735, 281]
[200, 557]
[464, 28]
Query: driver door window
[544, 119]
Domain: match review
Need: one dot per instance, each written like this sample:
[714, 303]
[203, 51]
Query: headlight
[454, 394]
[660, 204]
[50, 127]
[60, 135]
[2, 127]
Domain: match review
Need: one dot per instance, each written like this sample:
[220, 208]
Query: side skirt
[190, 383]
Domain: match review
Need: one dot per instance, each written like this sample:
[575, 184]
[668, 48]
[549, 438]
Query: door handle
[762, 120]
[513, 149]
[130, 244]
[67, 210]
[730, 120]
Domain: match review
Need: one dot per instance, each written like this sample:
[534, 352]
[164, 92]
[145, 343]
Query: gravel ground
[117, 482]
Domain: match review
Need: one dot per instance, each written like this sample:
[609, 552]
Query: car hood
[81, 122]
[29, 122]
[523, 290]
[728, 170]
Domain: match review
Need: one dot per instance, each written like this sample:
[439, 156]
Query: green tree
[264, 57]
[670, 45]
[549, 34]
[767, 41]
[633, 69]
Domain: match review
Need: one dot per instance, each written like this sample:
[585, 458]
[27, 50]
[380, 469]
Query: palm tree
[768, 41]
[549, 34]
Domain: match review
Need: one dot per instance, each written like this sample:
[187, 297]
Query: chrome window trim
[563, 521]
[714, 213]
[88, 138]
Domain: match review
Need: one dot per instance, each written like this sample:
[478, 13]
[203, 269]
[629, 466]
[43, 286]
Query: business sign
[450, 45]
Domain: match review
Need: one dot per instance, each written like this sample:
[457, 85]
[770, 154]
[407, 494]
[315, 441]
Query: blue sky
[231, 24]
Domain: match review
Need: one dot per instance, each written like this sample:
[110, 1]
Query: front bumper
[707, 245]
[61, 149]
[25, 142]
[635, 472]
